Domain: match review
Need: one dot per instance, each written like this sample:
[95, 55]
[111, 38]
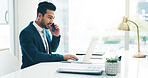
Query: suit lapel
[37, 34]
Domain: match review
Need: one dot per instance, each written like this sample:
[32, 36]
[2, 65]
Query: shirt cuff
[56, 37]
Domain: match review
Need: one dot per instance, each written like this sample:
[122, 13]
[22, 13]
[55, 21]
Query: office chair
[8, 63]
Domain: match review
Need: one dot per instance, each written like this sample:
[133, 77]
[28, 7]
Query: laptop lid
[87, 56]
[90, 50]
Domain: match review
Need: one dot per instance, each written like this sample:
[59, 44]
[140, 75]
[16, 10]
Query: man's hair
[43, 6]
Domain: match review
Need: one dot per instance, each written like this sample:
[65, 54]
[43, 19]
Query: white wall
[24, 13]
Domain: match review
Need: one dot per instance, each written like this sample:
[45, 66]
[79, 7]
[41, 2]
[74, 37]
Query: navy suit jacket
[32, 47]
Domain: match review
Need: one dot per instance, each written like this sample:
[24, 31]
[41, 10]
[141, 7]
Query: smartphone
[52, 27]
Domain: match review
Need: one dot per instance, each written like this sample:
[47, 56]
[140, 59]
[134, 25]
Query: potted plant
[111, 66]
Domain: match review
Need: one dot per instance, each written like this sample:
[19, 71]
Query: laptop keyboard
[89, 70]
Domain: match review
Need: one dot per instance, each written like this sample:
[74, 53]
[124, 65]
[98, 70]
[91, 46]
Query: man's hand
[69, 56]
[56, 32]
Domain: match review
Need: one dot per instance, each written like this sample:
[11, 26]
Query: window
[82, 21]
[139, 14]
[4, 11]
[95, 20]
[4, 25]
[61, 19]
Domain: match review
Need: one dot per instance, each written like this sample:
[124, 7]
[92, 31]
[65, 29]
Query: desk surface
[48, 70]
[131, 68]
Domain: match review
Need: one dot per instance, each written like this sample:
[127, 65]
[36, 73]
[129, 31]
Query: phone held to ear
[52, 27]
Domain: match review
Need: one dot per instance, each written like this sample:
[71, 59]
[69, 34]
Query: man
[36, 43]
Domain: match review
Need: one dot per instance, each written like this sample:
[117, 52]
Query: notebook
[85, 58]
[95, 55]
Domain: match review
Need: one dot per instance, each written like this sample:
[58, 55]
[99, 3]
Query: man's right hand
[69, 56]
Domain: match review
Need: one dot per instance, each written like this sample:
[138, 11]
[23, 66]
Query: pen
[92, 54]
[120, 58]
[80, 54]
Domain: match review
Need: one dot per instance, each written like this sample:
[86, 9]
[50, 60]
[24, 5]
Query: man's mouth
[49, 24]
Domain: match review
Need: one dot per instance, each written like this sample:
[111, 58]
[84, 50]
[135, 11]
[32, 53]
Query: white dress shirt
[39, 29]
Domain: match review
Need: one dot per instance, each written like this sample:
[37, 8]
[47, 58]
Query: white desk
[134, 67]
[48, 70]
[137, 67]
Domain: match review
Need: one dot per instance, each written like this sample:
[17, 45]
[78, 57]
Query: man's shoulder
[29, 29]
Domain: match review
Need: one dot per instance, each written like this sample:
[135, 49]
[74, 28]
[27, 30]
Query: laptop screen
[90, 50]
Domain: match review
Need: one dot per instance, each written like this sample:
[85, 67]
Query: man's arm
[54, 43]
[30, 49]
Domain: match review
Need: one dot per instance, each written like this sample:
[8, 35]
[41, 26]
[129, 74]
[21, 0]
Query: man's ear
[40, 16]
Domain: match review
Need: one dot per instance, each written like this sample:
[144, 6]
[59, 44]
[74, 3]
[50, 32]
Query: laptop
[85, 67]
[84, 58]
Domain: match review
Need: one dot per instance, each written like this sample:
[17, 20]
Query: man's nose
[51, 21]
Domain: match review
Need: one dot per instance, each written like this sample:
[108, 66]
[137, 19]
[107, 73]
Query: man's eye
[49, 17]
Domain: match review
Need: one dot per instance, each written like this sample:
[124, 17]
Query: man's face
[47, 19]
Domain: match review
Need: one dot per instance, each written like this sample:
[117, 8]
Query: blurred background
[80, 21]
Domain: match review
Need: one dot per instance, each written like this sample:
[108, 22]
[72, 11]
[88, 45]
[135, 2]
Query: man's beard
[43, 24]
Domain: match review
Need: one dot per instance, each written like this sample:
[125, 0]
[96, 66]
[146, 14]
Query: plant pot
[111, 68]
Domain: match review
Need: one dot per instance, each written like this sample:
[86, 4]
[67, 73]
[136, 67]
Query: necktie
[45, 41]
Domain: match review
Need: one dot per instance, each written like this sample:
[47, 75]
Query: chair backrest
[8, 63]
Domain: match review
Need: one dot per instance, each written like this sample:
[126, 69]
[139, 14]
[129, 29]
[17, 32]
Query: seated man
[36, 43]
